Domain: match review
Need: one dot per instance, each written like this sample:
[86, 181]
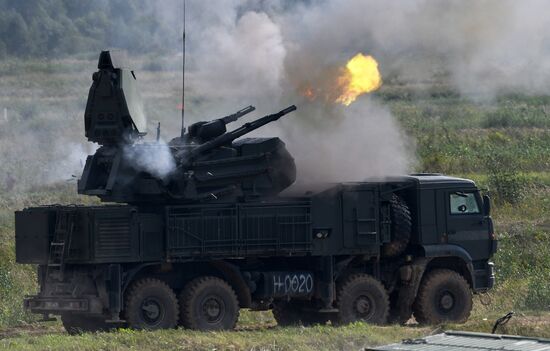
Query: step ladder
[60, 244]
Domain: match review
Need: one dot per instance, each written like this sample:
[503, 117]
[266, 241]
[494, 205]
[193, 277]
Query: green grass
[352, 337]
[258, 336]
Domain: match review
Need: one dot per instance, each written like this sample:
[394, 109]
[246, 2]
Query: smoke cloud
[487, 47]
[153, 158]
[362, 140]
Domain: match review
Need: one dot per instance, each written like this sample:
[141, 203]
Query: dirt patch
[34, 329]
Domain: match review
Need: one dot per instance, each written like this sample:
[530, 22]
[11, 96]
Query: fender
[233, 274]
[447, 250]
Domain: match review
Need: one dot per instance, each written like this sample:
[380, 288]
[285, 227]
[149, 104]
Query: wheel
[151, 304]
[208, 303]
[82, 323]
[362, 298]
[443, 296]
[291, 313]
[400, 227]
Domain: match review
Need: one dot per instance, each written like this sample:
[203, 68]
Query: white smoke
[71, 164]
[153, 158]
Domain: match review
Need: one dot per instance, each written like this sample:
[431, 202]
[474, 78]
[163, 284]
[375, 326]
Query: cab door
[466, 224]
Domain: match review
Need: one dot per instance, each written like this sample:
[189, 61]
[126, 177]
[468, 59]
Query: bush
[503, 173]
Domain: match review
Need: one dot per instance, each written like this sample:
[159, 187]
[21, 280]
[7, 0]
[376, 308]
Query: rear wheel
[209, 303]
[151, 304]
[81, 323]
[362, 298]
[292, 313]
[443, 296]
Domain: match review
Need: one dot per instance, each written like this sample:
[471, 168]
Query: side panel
[326, 215]
[152, 240]
[238, 230]
[361, 219]
[428, 215]
[34, 228]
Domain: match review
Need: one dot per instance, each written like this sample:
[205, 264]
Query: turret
[207, 164]
[227, 138]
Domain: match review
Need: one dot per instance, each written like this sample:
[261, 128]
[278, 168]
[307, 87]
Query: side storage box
[34, 228]
[115, 233]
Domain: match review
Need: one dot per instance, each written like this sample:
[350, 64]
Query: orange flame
[360, 76]
[309, 93]
[343, 85]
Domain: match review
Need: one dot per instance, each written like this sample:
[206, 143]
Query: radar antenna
[183, 79]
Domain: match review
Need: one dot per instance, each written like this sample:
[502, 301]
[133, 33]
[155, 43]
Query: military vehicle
[214, 235]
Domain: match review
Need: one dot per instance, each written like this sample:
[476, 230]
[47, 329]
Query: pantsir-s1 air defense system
[212, 234]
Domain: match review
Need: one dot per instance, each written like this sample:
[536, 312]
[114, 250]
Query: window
[463, 203]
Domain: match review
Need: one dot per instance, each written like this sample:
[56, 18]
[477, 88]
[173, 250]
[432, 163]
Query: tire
[401, 226]
[151, 304]
[362, 298]
[82, 323]
[443, 296]
[290, 313]
[208, 303]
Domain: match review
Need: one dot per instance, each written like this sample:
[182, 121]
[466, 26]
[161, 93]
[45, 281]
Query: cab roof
[428, 180]
[436, 178]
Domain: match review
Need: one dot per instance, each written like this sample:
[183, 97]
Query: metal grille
[113, 237]
[238, 230]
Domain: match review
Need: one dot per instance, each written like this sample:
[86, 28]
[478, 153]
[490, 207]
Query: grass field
[503, 144]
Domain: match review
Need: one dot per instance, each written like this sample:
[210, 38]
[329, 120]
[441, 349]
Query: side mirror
[486, 205]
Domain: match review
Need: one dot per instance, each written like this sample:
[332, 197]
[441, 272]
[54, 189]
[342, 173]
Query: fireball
[360, 76]
[343, 85]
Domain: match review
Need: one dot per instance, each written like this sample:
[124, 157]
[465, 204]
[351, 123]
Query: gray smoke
[487, 47]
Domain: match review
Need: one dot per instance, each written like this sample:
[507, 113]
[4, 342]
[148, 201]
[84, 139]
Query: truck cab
[453, 220]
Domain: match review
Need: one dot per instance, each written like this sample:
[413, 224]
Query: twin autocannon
[208, 164]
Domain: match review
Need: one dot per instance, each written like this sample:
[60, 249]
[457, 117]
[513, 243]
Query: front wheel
[443, 296]
[362, 298]
[151, 304]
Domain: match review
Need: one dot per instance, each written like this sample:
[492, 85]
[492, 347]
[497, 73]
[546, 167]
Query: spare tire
[401, 225]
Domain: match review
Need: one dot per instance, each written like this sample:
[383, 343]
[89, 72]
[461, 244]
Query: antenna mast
[183, 79]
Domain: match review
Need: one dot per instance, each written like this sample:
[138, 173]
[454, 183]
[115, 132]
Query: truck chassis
[335, 255]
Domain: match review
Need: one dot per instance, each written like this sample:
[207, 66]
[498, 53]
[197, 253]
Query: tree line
[53, 28]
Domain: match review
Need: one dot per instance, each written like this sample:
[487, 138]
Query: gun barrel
[238, 114]
[242, 130]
